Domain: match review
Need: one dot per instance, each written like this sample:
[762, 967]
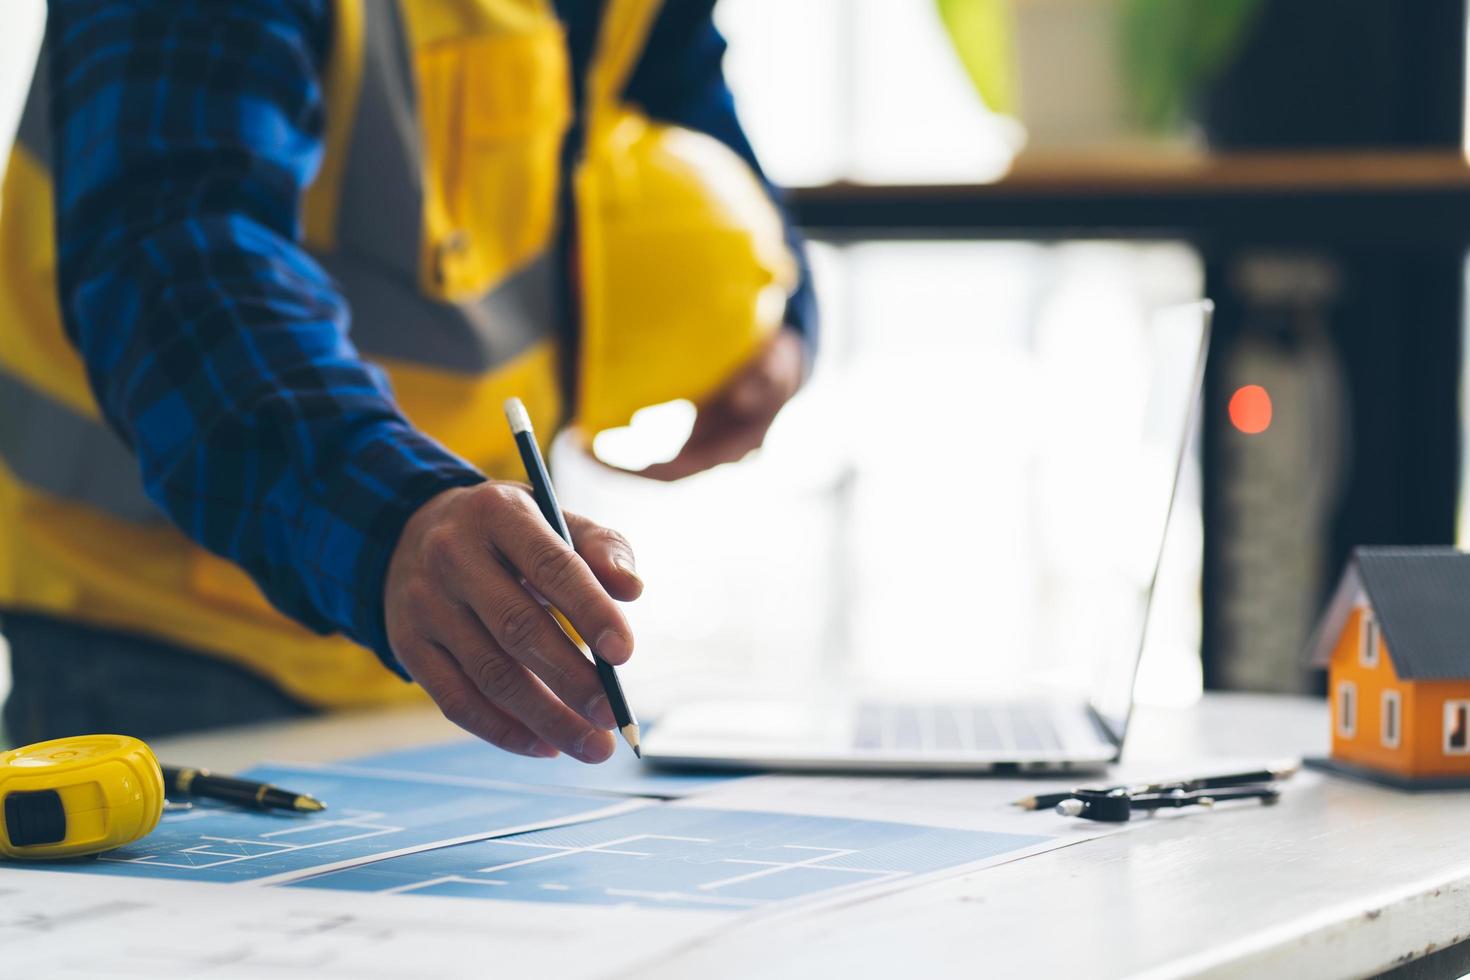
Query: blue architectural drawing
[368, 815]
[472, 759]
[680, 857]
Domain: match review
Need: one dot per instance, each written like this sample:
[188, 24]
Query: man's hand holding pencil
[463, 619]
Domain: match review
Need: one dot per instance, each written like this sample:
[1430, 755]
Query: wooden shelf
[1250, 172]
[1194, 173]
[1394, 195]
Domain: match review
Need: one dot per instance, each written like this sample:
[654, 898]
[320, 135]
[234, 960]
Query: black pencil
[541, 489]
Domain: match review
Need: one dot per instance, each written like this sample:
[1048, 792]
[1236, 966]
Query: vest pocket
[493, 109]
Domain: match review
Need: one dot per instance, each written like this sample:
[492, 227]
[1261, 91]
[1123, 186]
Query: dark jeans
[70, 679]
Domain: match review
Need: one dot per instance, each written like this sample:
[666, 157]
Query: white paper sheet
[66, 926]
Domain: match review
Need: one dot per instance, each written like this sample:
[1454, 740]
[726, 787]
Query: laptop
[1037, 726]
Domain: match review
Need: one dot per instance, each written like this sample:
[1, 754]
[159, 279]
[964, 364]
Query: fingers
[720, 441]
[505, 615]
[510, 687]
[734, 422]
[440, 674]
[757, 392]
[553, 569]
[609, 556]
[768, 380]
[468, 628]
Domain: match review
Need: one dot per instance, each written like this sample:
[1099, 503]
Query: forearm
[258, 429]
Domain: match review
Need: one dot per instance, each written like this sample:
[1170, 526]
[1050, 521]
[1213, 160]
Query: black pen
[541, 489]
[242, 792]
[1046, 801]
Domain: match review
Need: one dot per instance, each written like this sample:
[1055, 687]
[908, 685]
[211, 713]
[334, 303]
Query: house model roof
[1421, 597]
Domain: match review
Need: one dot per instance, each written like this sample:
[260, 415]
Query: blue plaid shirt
[184, 135]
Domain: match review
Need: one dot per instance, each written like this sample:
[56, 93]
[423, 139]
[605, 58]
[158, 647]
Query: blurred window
[907, 523]
[867, 90]
[905, 498]
[21, 24]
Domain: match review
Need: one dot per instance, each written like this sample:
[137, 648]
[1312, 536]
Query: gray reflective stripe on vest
[49, 447]
[390, 318]
[379, 216]
[54, 450]
[380, 226]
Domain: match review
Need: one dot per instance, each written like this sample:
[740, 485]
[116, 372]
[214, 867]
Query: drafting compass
[1118, 805]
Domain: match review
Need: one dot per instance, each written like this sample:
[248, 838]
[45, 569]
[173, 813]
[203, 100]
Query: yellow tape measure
[75, 796]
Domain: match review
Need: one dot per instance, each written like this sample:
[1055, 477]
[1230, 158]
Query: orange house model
[1396, 644]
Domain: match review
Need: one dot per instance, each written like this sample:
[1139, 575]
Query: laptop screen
[1149, 482]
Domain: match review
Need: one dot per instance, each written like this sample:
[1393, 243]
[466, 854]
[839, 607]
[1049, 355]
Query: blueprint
[473, 759]
[423, 836]
[682, 858]
[585, 900]
[452, 821]
[369, 817]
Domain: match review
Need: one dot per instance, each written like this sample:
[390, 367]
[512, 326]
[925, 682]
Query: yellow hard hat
[684, 267]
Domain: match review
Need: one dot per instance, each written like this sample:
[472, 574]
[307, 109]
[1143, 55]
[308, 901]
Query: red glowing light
[1250, 409]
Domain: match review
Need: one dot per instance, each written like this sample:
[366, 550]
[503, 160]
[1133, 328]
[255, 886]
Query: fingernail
[624, 563]
[601, 712]
[581, 749]
[614, 646]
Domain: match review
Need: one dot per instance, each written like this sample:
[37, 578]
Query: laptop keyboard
[997, 727]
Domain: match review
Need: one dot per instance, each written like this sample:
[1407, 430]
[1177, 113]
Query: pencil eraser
[516, 414]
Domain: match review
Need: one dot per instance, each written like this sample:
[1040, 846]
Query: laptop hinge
[1102, 728]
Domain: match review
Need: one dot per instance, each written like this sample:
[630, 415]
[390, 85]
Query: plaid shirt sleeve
[184, 134]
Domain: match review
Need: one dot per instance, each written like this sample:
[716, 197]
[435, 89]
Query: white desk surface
[1339, 879]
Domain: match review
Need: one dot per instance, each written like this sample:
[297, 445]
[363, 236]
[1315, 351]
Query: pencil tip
[630, 733]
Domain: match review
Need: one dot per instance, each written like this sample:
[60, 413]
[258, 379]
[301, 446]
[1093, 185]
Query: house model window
[1457, 728]
[1347, 709]
[1391, 720]
[1368, 653]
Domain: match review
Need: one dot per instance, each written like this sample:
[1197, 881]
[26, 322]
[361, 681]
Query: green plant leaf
[1171, 48]
[981, 31]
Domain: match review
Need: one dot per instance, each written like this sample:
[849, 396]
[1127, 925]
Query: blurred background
[1000, 194]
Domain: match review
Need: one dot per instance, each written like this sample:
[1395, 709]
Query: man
[288, 258]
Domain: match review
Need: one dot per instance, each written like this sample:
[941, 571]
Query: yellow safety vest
[435, 211]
